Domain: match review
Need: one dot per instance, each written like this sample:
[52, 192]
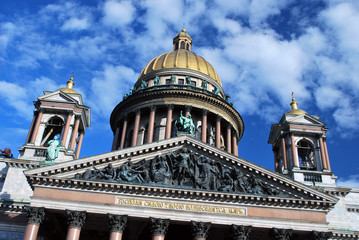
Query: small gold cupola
[182, 41]
[294, 106]
[70, 84]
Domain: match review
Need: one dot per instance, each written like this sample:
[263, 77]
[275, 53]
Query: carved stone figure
[184, 168]
[188, 79]
[156, 80]
[53, 149]
[161, 170]
[6, 153]
[143, 84]
[216, 90]
[204, 84]
[173, 79]
[185, 124]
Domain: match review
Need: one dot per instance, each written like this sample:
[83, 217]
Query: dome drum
[181, 100]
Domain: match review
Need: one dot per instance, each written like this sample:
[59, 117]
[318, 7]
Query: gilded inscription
[181, 206]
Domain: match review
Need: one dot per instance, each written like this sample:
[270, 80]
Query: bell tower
[59, 114]
[300, 149]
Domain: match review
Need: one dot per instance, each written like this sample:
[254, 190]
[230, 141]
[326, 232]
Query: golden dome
[181, 58]
[294, 106]
[70, 84]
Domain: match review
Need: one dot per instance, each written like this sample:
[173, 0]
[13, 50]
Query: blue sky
[262, 50]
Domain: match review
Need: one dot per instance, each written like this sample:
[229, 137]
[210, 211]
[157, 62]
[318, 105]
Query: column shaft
[169, 122]
[37, 125]
[73, 233]
[123, 135]
[74, 133]
[294, 152]
[204, 126]
[158, 237]
[30, 130]
[115, 139]
[284, 149]
[31, 231]
[234, 143]
[136, 128]
[229, 136]
[67, 127]
[326, 154]
[218, 132]
[79, 145]
[322, 153]
[151, 125]
[276, 165]
[115, 235]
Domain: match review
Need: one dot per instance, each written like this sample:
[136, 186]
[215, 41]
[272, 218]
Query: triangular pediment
[58, 96]
[183, 166]
[305, 119]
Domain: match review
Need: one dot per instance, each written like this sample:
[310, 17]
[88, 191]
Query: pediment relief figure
[184, 169]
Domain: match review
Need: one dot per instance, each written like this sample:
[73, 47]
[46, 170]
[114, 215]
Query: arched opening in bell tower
[53, 127]
[306, 155]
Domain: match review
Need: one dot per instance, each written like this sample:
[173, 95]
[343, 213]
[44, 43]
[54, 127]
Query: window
[187, 46]
[181, 81]
[193, 83]
[306, 155]
[168, 81]
[182, 45]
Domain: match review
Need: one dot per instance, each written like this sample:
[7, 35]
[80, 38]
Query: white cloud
[74, 24]
[15, 97]
[118, 14]
[8, 31]
[108, 88]
[352, 181]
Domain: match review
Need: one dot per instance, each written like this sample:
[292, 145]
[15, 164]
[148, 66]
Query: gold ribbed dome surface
[181, 59]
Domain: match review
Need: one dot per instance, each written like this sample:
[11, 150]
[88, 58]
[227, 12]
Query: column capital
[200, 229]
[77, 117]
[159, 226]
[229, 125]
[170, 106]
[282, 234]
[188, 108]
[138, 111]
[35, 215]
[82, 132]
[153, 108]
[241, 232]
[70, 112]
[204, 111]
[218, 118]
[75, 218]
[321, 235]
[41, 110]
[117, 222]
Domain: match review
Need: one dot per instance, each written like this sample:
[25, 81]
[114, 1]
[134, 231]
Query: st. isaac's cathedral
[174, 171]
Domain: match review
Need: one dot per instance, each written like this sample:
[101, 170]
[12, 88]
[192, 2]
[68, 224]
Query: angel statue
[185, 124]
[53, 149]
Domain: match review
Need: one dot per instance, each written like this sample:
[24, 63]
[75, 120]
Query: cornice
[59, 175]
[124, 107]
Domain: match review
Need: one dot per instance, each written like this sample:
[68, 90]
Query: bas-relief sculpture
[183, 169]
